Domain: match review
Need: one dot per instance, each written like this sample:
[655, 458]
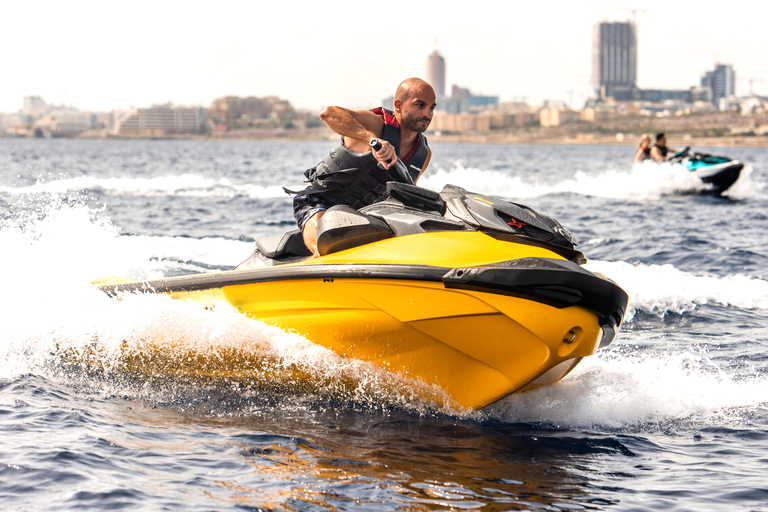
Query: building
[664, 95]
[614, 60]
[462, 101]
[163, 120]
[63, 123]
[33, 105]
[233, 112]
[557, 115]
[721, 81]
[461, 123]
[436, 73]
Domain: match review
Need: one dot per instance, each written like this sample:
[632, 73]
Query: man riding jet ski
[348, 175]
[472, 295]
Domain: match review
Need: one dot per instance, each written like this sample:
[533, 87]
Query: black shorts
[305, 206]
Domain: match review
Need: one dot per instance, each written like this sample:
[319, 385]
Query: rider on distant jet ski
[659, 151]
[348, 175]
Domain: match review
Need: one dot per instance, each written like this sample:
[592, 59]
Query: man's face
[417, 110]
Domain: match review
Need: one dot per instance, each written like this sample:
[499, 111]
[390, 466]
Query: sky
[105, 55]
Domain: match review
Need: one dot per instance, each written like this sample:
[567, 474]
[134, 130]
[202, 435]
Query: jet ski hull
[718, 173]
[720, 177]
[486, 318]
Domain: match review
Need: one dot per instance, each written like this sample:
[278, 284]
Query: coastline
[541, 136]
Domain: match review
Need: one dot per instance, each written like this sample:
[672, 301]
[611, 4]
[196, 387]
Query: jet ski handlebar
[399, 169]
[681, 154]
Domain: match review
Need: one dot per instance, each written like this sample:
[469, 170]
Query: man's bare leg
[309, 233]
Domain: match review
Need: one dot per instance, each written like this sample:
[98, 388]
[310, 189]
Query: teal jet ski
[717, 172]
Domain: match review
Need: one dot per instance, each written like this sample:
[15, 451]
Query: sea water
[673, 415]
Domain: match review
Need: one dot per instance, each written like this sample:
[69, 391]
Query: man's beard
[412, 123]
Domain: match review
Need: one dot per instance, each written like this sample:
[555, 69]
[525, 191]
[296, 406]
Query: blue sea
[672, 416]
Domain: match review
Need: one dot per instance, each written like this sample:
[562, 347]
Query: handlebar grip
[399, 170]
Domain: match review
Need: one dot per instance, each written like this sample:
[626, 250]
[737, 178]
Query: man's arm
[358, 127]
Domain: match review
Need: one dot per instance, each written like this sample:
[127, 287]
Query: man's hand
[386, 155]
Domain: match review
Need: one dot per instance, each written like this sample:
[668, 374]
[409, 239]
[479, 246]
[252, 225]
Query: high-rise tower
[722, 82]
[436, 73]
[614, 59]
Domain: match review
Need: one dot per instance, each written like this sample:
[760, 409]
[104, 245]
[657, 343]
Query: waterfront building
[557, 115]
[63, 123]
[436, 73]
[461, 123]
[614, 60]
[462, 101]
[33, 105]
[234, 112]
[159, 121]
[664, 95]
[721, 81]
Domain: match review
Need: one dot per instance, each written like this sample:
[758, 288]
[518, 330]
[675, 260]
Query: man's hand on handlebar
[384, 152]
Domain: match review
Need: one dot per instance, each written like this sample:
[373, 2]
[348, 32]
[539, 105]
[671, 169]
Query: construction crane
[751, 83]
[634, 15]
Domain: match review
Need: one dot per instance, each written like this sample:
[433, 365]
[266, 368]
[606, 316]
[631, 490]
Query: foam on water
[630, 391]
[189, 185]
[644, 181]
[54, 313]
[662, 289]
[51, 307]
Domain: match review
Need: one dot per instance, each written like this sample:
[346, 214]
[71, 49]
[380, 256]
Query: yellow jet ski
[476, 295]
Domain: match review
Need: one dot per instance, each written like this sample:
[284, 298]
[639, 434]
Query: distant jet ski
[718, 172]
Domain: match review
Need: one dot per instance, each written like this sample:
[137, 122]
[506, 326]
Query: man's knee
[309, 232]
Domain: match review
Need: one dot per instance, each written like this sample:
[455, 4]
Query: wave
[52, 313]
[190, 185]
[663, 289]
[57, 319]
[634, 392]
[644, 181]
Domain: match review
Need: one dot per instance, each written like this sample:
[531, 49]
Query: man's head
[415, 102]
[660, 138]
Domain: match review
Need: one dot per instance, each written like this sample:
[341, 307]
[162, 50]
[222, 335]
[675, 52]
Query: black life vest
[355, 179]
[662, 150]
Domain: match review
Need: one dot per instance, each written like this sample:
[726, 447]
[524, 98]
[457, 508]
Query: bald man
[350, 173]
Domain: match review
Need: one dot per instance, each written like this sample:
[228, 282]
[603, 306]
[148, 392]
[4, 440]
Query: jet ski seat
[282, 245]
[342, 227]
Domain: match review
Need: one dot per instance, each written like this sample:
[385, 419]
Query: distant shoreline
[500, 138]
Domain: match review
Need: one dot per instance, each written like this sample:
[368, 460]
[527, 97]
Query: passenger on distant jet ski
[349, 175]
[643, 149]
[659, 151]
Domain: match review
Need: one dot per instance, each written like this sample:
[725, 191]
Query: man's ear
[398, 104]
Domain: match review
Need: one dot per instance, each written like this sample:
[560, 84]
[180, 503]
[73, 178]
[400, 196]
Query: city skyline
[101, 57]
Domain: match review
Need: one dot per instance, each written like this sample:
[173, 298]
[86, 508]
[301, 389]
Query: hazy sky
[102, 55]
